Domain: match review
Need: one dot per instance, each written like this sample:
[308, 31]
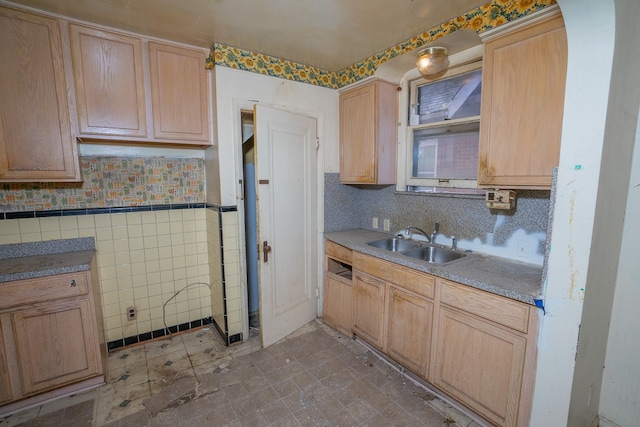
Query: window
[443, 132]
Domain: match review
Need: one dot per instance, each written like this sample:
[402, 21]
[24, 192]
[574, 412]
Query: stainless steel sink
[434, 254]
[394, 244]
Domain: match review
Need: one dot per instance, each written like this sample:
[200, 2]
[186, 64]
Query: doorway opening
[250, 217]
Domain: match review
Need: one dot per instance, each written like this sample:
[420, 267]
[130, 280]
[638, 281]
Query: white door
[286, 178]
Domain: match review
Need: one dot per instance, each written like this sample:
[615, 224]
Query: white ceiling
[329, 34]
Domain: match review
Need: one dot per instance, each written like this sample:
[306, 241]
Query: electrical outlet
[131, 313]
[375, 223]
[386, 225]
[523, 249]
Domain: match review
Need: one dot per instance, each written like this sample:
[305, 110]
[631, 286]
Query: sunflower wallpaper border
[480, 19]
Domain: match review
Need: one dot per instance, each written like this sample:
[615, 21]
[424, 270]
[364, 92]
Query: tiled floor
[315, 377]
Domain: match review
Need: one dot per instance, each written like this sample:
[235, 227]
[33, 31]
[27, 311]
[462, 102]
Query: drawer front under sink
[43, 289]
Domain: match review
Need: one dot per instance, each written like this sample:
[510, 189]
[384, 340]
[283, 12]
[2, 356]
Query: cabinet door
[56, 345]
[523, 85]
[480, 364]
[36, 141]
[368, 308]
[338, 304]
[409, 330]
[357, 136]
[109, 82]
[5, 382]
[179, 93]
[368, 134]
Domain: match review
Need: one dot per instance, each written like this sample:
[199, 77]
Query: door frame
[240, 105]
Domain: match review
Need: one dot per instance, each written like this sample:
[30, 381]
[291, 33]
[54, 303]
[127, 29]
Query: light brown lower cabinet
[484, 352]
[337, 302]
[56, 344]
[5, 384]
[477, 347]
[49, 340]
[337, 311]
[480, 364]
[369, 308]
[409, 329]
[393, 310]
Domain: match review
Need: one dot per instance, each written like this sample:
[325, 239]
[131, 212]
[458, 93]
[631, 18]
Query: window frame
[409, 181]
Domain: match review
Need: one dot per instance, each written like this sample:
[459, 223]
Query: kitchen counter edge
[511, 279]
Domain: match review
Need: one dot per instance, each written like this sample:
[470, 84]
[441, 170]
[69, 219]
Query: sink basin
[434, 254]
[394, 244]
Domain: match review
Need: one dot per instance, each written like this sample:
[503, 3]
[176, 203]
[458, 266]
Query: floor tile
[316, 376]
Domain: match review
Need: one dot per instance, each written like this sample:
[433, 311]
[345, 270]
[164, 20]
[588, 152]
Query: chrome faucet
[434, 233]
[411, 227]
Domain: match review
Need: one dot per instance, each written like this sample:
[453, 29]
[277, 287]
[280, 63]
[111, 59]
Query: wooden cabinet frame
[369, 308]
[477, 347]
[37, 143]
[130, 88]
[408, 329]
[337, 310]
[52, 341]
[56, 344]
[109, 82]
[368, 134]
[393, 310]
[523, 83]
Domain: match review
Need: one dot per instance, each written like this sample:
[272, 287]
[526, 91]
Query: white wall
[236, 87]
[590, 27]
[619, 138]
[235, 90]
[620, 386]
[591, 291]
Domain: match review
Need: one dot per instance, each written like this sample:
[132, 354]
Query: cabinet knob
[73, 283]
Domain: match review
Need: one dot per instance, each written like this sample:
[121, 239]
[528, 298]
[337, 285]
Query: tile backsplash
[113, 182]
[145, 256]
[144, 259]
[519, 234]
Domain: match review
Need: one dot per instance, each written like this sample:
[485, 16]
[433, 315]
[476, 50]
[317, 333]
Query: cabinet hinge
[317, 143]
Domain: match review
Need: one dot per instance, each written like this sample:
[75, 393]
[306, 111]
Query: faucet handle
[436, 227]
[454, 243]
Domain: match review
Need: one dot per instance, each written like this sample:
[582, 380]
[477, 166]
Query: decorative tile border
[480, 19]
[112, 182]
[136, 339]
[98, 211]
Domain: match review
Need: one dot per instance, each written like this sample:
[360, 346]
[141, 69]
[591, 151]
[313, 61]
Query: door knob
[265, 251]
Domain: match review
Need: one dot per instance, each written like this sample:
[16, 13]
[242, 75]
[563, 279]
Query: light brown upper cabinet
[523, 83]
[36, 140]
[109, 80]
[131, 89]
[179, 93]
[368, 134]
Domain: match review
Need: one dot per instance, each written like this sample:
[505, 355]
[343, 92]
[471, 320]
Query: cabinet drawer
[337, 251]
[42, 289]
[419, 283]
[498, 309]
[412, 280]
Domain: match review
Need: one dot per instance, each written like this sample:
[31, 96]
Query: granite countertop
[516, 280]
[38, 259]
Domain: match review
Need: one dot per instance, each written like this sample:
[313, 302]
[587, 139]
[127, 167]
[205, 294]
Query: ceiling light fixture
[432, 60]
